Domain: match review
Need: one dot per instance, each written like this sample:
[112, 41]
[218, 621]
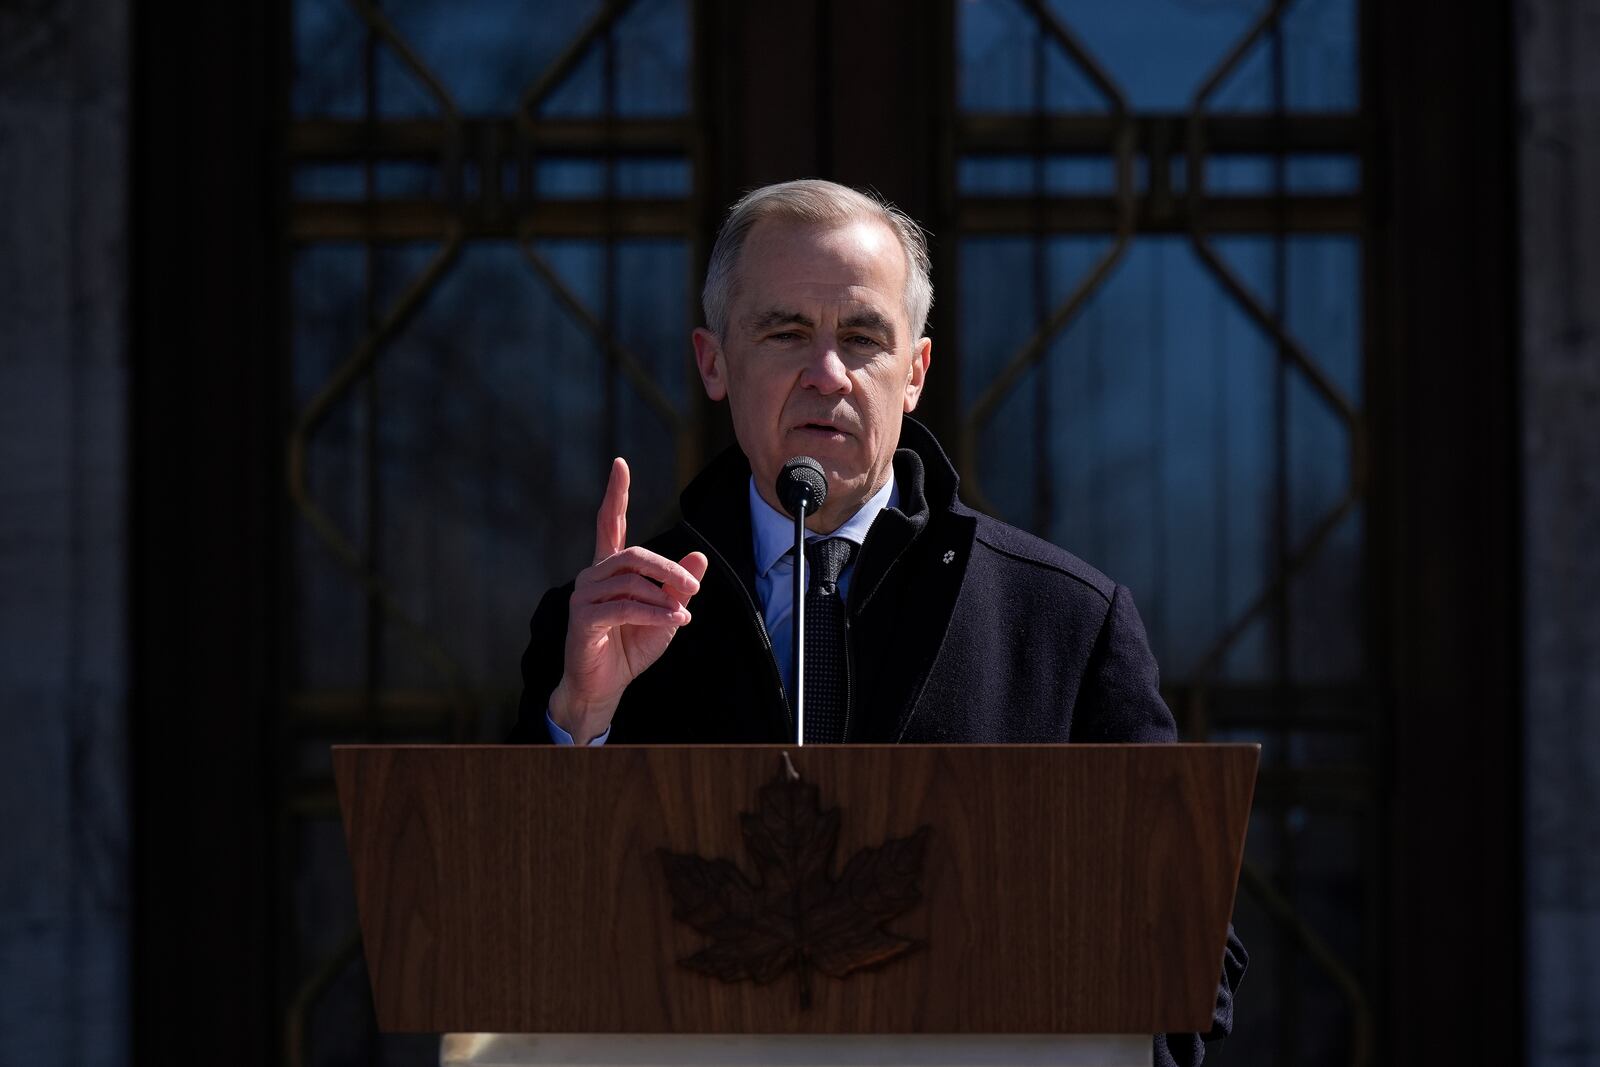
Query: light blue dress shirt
[773, 533]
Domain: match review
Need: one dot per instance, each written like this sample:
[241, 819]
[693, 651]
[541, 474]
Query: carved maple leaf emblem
[795, 914]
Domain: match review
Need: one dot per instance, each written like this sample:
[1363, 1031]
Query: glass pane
[328, 181]
[348, 181]
[581, 94]
[492, 445]
[488, 52]
[569, 179]
[1327, 601]
[330, 608]
[491, 407]
[486, 55]
[1321, 53]
[1158, 53]
[407, 181]
[1050, 175]
[1006, 65]
[585, 179]
[664, 178]
[329, 60]
[1151, 429]
[1319, 41]
[650, 60]
[1245, 175]
[652, 320]
[402, 93]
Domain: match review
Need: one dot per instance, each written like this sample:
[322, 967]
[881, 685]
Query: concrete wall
[1559, 80]
[64, 816]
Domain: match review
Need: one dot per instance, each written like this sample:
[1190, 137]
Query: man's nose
[825, 370]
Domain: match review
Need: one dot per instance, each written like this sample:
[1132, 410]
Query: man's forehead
[777, 237]
[786, 264]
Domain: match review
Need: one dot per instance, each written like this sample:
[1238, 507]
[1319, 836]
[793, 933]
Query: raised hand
[624, 611]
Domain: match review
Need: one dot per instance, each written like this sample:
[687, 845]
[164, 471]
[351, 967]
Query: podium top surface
[707, 889]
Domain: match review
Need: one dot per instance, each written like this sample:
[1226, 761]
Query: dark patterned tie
[827, 674]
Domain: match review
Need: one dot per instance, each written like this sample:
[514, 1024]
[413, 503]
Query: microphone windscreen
[802, 480]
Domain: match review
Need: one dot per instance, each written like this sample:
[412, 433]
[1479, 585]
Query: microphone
[802, 487]
[801, 484]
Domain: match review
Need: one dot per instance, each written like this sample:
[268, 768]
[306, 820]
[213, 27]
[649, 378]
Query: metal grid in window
[492, 216]
[1161, 221]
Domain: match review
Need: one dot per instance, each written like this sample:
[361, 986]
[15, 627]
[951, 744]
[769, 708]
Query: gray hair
[812, 200]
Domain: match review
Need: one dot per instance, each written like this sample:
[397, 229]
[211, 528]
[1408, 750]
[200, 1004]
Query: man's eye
[783, 335]
[862, 339]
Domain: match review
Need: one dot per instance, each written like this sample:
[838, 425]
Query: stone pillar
[64, 887]
[1559, 150]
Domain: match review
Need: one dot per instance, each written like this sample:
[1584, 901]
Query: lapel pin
[949, 555]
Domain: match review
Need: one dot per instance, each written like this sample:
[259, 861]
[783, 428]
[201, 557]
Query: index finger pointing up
[611, 524]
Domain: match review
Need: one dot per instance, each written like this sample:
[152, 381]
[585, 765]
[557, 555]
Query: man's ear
[712, 363]
[921, 356]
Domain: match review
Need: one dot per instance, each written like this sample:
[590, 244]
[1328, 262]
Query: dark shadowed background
[320, 321]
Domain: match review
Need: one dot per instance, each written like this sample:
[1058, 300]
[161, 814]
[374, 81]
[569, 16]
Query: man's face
[819, 357]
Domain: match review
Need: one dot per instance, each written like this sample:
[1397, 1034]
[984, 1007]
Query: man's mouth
[821, 427]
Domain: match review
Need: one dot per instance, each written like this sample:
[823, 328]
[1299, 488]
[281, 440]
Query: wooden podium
[856, 899]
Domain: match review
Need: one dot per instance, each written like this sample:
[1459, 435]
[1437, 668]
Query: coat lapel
[905, 588]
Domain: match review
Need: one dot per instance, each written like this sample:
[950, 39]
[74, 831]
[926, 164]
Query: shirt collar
[774, 531]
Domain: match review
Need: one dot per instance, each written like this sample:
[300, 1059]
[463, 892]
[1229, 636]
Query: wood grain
[1067, 888]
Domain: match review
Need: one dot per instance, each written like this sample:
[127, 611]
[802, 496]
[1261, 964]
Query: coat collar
[904, 623]
[716, 504]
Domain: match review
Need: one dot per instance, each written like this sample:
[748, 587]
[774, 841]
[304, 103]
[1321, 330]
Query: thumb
[696, 564]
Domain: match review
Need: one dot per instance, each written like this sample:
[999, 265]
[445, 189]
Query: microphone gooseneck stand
[798, 641]
[802, 487]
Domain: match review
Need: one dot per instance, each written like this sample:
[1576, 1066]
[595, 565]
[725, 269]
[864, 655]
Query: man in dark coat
[956, 626]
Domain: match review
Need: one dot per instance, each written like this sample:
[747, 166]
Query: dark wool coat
[961, 628]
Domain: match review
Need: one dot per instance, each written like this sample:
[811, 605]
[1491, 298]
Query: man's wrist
[584, 720]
